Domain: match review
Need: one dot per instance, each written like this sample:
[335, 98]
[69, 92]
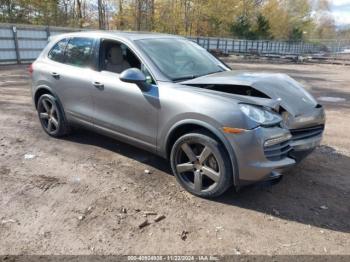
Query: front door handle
[98, 85]
[55, 75]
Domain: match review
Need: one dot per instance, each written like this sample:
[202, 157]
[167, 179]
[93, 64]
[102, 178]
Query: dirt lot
[87, 194]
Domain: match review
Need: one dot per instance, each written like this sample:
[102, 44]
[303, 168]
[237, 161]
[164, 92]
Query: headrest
[115, 55]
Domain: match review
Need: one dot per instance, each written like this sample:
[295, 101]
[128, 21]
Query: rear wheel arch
[42, 91]
[186, 127]
[51, 116]
[46, 90]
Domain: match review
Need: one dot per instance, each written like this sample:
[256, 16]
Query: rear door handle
[55, 75]
[98, 85]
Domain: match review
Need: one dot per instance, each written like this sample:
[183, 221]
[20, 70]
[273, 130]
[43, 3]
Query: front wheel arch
[187, 126]
[201, 164]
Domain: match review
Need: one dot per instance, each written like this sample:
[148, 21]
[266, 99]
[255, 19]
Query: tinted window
[79, 52]
[57, 52]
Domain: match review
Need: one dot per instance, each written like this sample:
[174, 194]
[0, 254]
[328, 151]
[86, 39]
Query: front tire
[51, 116]
[201, 164]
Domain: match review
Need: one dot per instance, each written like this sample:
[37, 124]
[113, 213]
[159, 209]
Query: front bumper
[256, 161]
[304, 141]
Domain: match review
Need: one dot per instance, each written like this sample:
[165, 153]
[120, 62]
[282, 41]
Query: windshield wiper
[185, 77]
[210, 73]
[188, 77]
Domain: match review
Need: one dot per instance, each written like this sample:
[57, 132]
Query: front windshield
[180, 59]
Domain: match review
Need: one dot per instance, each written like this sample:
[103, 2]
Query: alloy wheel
[197, 166]
[49, 116]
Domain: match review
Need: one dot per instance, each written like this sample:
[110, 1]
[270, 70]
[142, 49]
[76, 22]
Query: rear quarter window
[57, 51]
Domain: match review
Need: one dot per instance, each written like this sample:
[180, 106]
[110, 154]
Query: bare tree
[138, 14]
[79, 13]
[152, 18]
[121, 14]
[101, 15]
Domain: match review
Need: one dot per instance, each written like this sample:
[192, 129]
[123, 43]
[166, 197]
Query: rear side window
[57, 52]
[79, 52]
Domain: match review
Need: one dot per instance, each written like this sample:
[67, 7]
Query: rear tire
[201, 164]
[51, 116]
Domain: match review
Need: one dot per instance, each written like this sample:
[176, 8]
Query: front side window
[79, 52]
[57, 52]
[116, 57]
[180, 59]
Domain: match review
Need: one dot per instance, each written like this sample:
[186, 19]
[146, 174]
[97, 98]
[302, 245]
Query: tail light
[30, 69]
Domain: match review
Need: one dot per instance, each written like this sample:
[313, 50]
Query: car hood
[281, 88]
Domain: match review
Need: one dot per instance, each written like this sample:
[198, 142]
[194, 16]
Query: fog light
[277, 140]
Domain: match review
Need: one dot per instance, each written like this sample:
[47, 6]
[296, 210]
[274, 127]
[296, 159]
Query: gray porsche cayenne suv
[218, 127]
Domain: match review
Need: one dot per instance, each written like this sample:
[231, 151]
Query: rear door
[71, 78]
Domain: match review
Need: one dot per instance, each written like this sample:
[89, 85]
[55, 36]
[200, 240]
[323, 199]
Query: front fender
[209, 124]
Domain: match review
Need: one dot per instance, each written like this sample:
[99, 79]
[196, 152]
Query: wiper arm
[185, 77]
[195, 76]
[214, 72]
[210, 73]
[222, 68]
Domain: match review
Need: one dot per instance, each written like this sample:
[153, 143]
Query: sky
[341, 12]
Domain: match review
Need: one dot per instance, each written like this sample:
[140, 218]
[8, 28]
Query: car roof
[128, 35]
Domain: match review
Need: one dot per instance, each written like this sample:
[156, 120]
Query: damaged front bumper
[258, 159]
[263, 153]
[306, 130]
[304, 141]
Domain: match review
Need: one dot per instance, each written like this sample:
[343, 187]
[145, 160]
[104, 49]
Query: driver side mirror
[135, 76]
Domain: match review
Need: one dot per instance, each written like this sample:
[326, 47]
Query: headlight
[260, 115]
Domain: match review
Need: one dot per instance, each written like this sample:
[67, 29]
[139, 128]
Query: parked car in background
[218, 127]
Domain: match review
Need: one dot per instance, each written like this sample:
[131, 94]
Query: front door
[123, 109]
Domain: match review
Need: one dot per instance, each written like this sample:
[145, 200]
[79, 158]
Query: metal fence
[272, 47]
[21, 43]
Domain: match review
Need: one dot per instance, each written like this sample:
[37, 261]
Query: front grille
[303, 133]
[278, 151]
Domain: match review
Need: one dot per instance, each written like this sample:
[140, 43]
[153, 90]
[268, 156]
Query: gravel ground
[88, 194]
